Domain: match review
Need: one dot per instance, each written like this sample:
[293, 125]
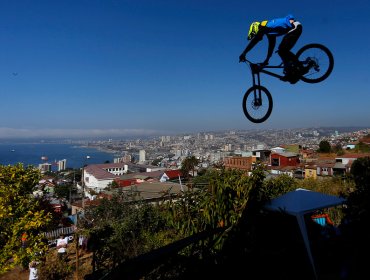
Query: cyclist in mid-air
[287, 26]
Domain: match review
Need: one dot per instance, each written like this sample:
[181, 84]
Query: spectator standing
[62, 243]
[33, 271]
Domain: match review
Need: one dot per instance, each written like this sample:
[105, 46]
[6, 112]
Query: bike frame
[257, 69]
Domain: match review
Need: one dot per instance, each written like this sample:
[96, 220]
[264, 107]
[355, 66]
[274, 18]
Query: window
[275, 161]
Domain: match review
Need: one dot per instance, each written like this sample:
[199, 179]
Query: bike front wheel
[257, 104]
[317, 62]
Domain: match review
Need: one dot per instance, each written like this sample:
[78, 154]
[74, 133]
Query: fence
[57, 232]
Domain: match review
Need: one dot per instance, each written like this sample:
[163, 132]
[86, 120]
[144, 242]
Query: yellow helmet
[253, 29]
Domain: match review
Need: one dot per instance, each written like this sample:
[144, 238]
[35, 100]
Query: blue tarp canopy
[300, 202]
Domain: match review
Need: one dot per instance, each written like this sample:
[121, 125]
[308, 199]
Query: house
[150, 191]
[142, 168]
[284, 163]
[261, 155]
[97, 177]
[57, 205]
[350, 146]
[284, 159]
[346, 158]
[343, 163]
[287, 170]
[241, 163]
[310, 171]
[325, 168]
[307, 153]
[171, 175]
[157, 191]
[121, 183]
[77, 206]
[131, 179]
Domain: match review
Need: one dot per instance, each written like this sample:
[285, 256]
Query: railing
[57, 232]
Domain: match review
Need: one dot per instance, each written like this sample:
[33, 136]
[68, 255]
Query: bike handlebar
[255, 66]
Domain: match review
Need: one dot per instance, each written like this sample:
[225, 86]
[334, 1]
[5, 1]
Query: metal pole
[83, 188]
[76, 254]
[70, 189]
[76, 235]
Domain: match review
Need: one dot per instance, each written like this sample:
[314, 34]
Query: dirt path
[16, 274]
[20, 274]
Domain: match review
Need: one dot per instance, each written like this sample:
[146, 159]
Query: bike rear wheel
[318, 62]
[257, 104]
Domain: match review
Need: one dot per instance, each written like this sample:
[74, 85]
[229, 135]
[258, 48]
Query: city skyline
[121, 68]
[325, 132]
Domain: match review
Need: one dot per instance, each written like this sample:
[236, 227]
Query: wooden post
[76, 235]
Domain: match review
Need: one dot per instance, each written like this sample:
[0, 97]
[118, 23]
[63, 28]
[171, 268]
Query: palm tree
[189, 164]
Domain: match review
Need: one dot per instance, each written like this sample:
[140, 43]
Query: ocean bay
[37, 153]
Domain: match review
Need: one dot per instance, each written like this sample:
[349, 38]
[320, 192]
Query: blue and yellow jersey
[279, 26]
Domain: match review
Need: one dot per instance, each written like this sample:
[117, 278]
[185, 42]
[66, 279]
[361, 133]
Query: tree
[22, 217]
[273, 188]
[157, 161]
[324, 147]
[359, 200]
[65, 190]
[118, 230]
[54, 268]
[338, 149]
[189, 164]
[357, 217]
[221, 204]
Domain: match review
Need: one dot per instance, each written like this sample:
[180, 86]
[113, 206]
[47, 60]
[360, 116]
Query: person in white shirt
[33, 271]
[62, 243]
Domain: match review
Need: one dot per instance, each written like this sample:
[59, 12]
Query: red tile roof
[173, 174]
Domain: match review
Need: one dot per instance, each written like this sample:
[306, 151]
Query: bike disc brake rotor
[256, 103]
[312, 62]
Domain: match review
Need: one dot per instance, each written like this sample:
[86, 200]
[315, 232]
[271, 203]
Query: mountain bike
[316, 62]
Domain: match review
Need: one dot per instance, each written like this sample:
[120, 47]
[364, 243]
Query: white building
[62, 164]
[142, 156]
[278, 150]
[98, 176]
[45, 167]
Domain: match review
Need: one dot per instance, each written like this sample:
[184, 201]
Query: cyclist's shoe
[304, 70]
[290, 78]
[294, 79]
[285, 78]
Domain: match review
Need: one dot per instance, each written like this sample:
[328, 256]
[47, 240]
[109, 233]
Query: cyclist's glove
[242, 58]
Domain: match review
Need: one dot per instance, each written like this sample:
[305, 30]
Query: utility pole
[83, 211]
[70, 188]
[83, 184]
[83, 188]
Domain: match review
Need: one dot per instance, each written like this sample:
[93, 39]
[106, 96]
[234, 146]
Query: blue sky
[116, 67]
